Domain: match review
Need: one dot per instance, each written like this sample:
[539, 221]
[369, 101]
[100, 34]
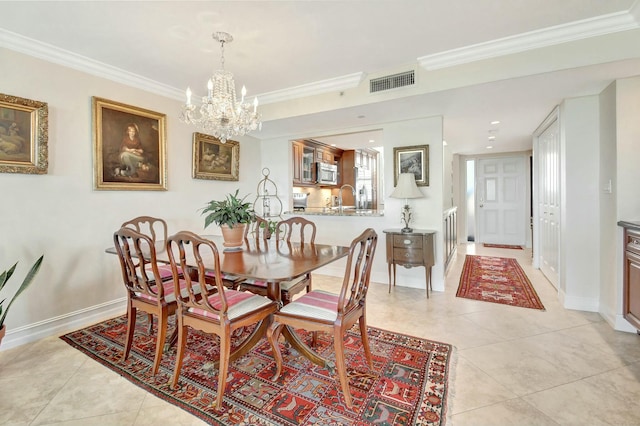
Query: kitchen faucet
[353, 190]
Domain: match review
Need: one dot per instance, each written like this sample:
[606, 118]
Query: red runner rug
[497, 280]
[505, 246]
[409, 384]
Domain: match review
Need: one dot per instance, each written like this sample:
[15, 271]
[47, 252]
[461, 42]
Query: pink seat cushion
[164, 270]
[315, 304]
[169, 295]
[284, 285]
[238, 303]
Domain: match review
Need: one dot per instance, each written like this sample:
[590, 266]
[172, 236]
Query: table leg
[389, 270]
[394, 275]
[304, 350]
[427, 272]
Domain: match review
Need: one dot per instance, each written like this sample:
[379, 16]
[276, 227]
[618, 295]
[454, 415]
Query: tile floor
[514, 366]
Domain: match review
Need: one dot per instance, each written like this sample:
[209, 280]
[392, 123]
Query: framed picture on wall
[215, 160]
[129, 147]
[24, 133]
[412, 159]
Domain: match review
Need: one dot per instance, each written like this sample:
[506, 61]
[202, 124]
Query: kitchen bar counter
[335, 211]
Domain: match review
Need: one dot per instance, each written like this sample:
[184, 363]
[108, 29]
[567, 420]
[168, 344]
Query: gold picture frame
[129, 147]
[214, 160]
[412, 159]
[24, 135]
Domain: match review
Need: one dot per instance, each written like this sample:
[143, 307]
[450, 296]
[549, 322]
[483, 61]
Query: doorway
[497, 199]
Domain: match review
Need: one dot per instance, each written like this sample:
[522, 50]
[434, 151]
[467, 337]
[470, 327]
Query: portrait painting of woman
[129, 145]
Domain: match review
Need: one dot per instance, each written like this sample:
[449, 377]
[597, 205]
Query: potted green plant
[232, 214]
[4, 278]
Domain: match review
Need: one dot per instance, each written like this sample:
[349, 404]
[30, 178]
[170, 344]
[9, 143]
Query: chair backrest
[137, 254]
[153, 227]
[296, 229]
[260, 229]
[186, 250]
[357, 271]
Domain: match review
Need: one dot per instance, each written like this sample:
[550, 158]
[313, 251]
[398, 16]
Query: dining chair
[138, 261]
[320, 310]
[213, 309]
[156, 229]
[294, 229]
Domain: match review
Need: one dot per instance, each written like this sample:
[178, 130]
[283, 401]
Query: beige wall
[61, 215]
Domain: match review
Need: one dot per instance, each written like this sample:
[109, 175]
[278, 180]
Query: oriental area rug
[497, 280]
[504, 246]
[409, 384]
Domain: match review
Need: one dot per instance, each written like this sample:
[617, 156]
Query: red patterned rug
[505, 246]
[409, 384]
[497, 280]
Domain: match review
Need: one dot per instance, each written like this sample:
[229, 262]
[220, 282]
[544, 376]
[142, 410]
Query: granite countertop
[335, 211]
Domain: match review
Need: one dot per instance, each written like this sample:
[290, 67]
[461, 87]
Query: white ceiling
[279, 45]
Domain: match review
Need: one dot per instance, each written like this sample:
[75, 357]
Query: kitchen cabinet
[325, 156]
[303, 158]
[297, 162]
[631, 277]
[305, 155]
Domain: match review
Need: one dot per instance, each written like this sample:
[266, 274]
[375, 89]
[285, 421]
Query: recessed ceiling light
[495, 122]
[372, 140]
[491, 138]
[444, 143]
[489, 146]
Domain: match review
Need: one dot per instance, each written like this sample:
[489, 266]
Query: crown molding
[578, 30]
[316, 88]
[50, 53]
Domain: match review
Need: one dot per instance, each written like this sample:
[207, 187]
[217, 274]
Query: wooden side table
[410, 249]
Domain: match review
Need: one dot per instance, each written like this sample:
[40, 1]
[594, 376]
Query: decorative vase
[233, 237]
[3, 330]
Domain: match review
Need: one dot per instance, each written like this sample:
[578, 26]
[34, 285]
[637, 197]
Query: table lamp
[406, 188]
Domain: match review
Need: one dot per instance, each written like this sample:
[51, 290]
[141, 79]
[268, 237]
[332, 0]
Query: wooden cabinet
[411, 249]
[303, 158]
[297, 162]
[631, 281]
[305, 154]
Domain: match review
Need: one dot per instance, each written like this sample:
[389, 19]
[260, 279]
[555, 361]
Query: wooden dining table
[273, 262]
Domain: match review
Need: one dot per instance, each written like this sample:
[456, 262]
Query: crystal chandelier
[220, 113]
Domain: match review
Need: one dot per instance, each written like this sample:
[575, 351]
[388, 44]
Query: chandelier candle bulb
[188, 96]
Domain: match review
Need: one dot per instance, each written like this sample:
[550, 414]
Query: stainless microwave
[326, 174]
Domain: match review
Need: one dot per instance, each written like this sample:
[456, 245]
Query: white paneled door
[501, 200]
[547, 166]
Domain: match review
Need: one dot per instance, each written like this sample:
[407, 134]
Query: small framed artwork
[215, 160]
[412, 159]
[129, 147]
[24, 134]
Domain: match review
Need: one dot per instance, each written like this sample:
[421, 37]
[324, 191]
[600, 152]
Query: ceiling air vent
[394, 81]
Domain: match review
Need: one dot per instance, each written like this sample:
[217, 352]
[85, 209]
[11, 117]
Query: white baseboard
[622, 324]
[63, 324]
[587, 304]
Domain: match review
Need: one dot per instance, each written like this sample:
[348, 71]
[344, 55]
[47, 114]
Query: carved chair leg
[131, 326]
[338, 344]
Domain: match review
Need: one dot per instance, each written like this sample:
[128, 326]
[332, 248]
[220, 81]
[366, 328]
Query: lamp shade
[406, 187]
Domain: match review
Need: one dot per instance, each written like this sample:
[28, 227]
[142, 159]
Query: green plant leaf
[25, 283]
